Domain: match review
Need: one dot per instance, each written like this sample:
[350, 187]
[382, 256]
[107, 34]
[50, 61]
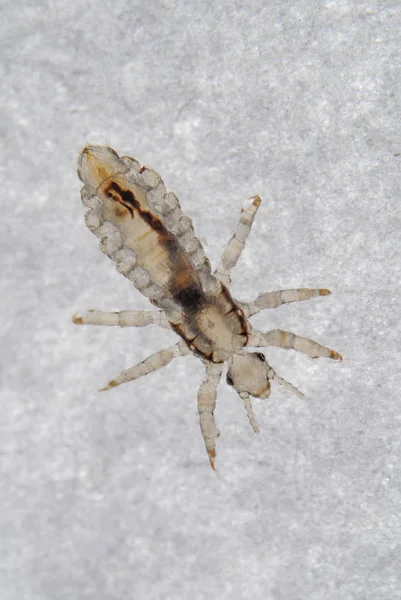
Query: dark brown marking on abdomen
[184, 284]
[190, 298]
[127, 198]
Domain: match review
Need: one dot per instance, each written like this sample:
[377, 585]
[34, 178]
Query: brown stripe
[127, 198]
[241, 316]
[184, 283]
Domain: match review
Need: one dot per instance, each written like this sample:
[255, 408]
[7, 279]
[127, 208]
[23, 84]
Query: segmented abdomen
[142, 228]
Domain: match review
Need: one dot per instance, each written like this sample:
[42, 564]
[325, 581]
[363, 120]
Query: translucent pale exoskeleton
[142, 228]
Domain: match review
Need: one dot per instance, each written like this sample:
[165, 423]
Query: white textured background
[110, 496]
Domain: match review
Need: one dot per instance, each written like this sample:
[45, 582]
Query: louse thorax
[217, 329]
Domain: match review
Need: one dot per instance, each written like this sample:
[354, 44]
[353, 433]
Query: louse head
[96, 164]
[247, 372]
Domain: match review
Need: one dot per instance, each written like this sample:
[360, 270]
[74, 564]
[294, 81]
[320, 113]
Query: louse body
[142, 228]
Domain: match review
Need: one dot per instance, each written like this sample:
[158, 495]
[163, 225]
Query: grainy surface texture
[109, 496]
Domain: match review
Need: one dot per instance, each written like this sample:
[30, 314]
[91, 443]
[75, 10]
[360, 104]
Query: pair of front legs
[207, 390]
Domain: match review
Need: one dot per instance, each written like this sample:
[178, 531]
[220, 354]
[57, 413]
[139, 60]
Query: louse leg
[237, 243]
[279, 297]
[125, 318]
[286, 339]
[206, 405]
[151, 363]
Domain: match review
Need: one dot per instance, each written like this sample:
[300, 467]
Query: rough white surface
[110, 496]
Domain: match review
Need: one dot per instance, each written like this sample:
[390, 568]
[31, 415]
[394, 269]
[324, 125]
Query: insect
[142, 228]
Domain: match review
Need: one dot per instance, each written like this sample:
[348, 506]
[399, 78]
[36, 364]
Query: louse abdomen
[142, 228]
